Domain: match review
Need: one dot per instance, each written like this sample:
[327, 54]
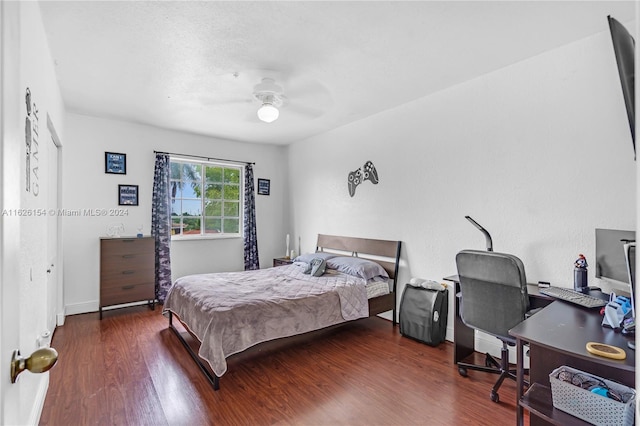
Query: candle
[287, 252]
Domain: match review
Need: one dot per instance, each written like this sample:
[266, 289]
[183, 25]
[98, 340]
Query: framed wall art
[115, 162]
[264, 186]
[128, 195]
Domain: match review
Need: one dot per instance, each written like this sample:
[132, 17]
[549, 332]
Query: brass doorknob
[40, 361]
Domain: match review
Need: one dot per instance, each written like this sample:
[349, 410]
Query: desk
[463, 336]
[557, 336]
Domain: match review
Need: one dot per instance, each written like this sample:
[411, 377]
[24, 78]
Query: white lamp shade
[268, 113]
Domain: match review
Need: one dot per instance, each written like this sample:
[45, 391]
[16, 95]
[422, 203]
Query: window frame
[203, 235]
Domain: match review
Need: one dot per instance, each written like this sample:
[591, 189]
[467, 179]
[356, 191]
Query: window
[205, 198]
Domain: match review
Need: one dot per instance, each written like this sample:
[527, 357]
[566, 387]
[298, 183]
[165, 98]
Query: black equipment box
[423, 314]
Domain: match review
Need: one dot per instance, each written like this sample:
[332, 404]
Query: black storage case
[423, 314]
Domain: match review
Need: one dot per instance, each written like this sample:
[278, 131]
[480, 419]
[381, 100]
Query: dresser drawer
[125, 293]
[126, 246]
[115, 278]
[123, 262]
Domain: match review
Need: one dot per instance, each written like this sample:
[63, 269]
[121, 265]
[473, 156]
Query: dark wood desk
[464, 337]
[557, 335]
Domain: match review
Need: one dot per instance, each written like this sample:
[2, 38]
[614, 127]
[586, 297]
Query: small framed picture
[128, 195]
[264, 186]
[115, 163]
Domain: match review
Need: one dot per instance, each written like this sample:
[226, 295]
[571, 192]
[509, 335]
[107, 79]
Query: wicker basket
[589, 406]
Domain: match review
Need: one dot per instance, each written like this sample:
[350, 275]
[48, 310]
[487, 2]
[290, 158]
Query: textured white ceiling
[191, 66]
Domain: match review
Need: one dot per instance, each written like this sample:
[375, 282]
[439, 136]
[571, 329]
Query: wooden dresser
[127, 271]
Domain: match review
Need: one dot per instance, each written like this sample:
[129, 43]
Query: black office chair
[493, 289]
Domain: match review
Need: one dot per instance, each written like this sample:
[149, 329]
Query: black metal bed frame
[211, 377]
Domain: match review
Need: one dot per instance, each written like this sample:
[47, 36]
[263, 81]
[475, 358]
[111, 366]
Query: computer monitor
[610, 258]
[630, 258]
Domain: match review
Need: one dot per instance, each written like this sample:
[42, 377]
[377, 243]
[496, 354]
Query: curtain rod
[202, 157]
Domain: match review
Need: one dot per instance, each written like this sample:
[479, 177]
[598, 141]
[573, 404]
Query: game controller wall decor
[366, 172]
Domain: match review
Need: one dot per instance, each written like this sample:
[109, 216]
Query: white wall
[88, 187]
[539, 153]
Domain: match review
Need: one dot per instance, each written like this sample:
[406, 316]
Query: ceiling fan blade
[309, 92]
[305, 111]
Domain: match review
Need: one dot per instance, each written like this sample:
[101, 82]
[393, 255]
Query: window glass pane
[231, 175]
[214, 191]
[192, 190]
[231, 209]
[176, 207]
[191, 208]
[231, 226]
[231, 192]
[212, 208]
[176, 188]
[213, 226]
[175, 170]
[191, 172]
[214, 174]
[175, 225]
[191, 225]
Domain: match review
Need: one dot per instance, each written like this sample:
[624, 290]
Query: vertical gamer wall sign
[31, 142]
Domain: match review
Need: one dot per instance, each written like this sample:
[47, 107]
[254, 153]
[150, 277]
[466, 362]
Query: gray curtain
[161, 224]
[251, 260]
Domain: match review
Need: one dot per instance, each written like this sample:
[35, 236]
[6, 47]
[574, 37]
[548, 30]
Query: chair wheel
[494, 396]
[462, 371]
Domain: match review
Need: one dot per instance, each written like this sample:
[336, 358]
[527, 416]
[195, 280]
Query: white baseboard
[94, 306]
[38, 404]
[60, 319]
[82, 308]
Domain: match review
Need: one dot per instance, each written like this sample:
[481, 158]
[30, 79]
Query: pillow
[358, 267]
[308, 257]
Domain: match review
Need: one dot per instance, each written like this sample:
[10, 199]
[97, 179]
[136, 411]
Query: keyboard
[573, 296]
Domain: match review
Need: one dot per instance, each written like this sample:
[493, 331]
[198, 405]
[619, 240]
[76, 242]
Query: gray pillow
[316, 267]
[358, 267]
[308, 257]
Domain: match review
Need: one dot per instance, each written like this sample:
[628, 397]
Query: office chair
[493, 289]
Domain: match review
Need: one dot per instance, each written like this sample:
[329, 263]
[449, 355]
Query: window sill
[204, 237]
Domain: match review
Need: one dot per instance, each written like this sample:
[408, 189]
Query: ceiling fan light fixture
[268, 113]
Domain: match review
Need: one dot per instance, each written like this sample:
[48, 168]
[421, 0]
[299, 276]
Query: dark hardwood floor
[130, 369]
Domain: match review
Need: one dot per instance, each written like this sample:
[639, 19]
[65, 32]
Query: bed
[234, 312]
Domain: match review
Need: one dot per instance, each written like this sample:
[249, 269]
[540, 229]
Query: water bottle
[580, 275]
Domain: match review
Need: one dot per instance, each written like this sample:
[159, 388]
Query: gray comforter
[230, 312]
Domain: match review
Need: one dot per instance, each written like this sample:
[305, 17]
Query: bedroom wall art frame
[127, 195]
[115, 163]
[264, 186]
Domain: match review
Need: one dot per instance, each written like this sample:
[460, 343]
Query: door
[53, 259]
[10, 161]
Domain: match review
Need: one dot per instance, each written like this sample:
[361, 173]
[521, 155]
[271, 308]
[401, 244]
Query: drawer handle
[128, 241]
[128, 256]
[128, 287]
[128, 272]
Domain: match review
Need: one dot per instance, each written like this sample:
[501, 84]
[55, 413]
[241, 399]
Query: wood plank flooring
[130, 369]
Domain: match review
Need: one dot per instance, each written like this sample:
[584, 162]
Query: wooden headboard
[384, 252]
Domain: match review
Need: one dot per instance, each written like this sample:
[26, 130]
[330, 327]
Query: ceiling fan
[232, 95]
[271, 96]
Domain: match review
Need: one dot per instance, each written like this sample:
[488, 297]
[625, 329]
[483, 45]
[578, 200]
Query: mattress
[230, 312]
